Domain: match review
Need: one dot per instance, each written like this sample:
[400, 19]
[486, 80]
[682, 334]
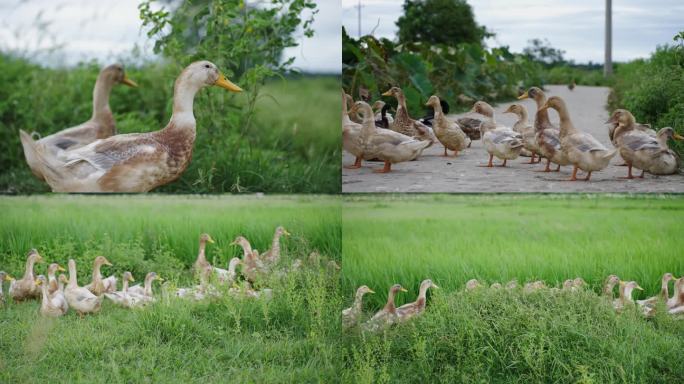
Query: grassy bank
[502, 336]
[290, 338]
[289, 144]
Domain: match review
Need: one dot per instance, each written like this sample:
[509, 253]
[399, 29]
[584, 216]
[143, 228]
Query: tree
[542, 51]
[439, 22]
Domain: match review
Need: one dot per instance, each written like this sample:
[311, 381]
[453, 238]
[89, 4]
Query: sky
[108, 30]
[574, 26]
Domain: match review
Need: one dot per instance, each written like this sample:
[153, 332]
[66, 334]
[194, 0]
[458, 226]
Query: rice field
[290, 338]
[511, 336]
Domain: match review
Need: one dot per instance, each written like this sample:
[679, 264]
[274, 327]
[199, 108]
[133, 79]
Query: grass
[290, 144]
[290, 338]
[490, 336]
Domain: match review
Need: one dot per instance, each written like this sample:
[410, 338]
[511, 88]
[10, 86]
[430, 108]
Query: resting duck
[252, 266]
[136, 162]
[411, 310]
[122, 297]
[609, 285]
[98, 285]
[546, 134]
[499, 141]
[203, 290]
[388, 314]
[272, 256]
[352, 141]
[582, 149]
[79, 298]
[640, 150]
[625, 297]
[448, 132]
[403, 123]
[4, 277]
[472, 284]
[534, 286]
[100, 126]
[513, 284]
[26, 288]
[662, 296]
[51, 305]
[526, 130]
[677, 305]
[383, 119]
[350, 316]
[387, 145]
[145, 293]
[53, 284]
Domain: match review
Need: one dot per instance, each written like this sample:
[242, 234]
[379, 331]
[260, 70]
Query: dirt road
[434, 173]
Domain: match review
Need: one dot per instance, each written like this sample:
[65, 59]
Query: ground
[434, 173]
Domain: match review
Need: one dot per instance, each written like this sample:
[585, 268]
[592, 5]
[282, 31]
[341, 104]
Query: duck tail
[30, 153]
[610, 154]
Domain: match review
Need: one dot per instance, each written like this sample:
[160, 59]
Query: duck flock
[58, 294]
[390, 314]
[372, 134]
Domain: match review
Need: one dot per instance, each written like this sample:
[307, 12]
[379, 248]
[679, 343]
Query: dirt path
[434, 173]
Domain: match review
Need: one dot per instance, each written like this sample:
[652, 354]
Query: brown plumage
[26, 288]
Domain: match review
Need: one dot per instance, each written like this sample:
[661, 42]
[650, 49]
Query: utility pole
[608, 61]
[358, 7]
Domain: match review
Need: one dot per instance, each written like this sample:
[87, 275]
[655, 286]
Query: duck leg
[532, 159]
[629, 173]
[548, 166]
[588, 176]
[386, 169]
[489, 165]
[455, 153]
[574, 174]
[356, 165]
[504, 163]
[445, 152]
[642, 174]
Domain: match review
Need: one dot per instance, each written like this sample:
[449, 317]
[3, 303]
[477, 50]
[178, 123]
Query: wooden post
[608, 62]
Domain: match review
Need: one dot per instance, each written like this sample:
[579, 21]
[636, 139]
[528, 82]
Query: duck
[135, 162]
[496, 286]
[352, 141]
[388, 314]
[546, 134]
[202, 291]
[625, 297]
[201, 262]
[411, 310]
[610, 283]
[272, 256]
[499, 141]
[526, 130]
[144, 292]
[351, 113]
[383, 119]
[98, 285]
[572, 85]
[80, 298]
[350, 316]
[663, 295]
[252, 266]
[53, 284]
[62, 281]
[4, 276]
[403, 123]
[582, 149]
[26, 288]
[389, 146]
[51, 305]
[448, 132]
[534, 286]
[101, 124]
[641, 151]
[469, 125]
[614, 123]
[578, 283]
[472, 284]
[122, 297]
[676, 306]
[513, 284]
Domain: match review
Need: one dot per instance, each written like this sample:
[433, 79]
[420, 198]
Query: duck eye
[207, 66]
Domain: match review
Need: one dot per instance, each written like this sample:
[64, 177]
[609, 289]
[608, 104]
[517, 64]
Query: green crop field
[502, 336]
[290, 338]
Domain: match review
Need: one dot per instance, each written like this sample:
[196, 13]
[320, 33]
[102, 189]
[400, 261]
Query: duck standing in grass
[136, 162]
[122, 297]
[663, 295]
[499, 141]
[526, 130]
[609, 285]
[411, 310]
[387, 315]
[546, 134]
[350, 316]
[582, 149]
[625, 297]
[100, 126]
[252, 266]
[53, 284]
[26, 288]
[51, 305]
[79, 298]
[272, 256]
[389, 146]
[144, 292]
[98, 286]
[448, 132]
[677, 304]
[4, 277]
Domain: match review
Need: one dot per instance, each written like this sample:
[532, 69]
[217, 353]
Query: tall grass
[510, 336]
[290, 338]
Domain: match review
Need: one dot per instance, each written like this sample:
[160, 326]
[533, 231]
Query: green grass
[288, 339]
[491, 336]
[290, 144]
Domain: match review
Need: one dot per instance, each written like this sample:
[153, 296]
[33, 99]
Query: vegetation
[439, 22]
[278, 136]
[510, 336]
[290, 338]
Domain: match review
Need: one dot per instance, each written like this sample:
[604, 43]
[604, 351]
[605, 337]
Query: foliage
[542, 51]
[448, 22]
[653, 89]
[459, 74]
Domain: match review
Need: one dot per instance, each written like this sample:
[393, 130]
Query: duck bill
[677, 136]
[524, 96]
[388, 93]
[129, 82]
[159, 278]
[61, 269]
[435, 286]
[286, 233]
[544, 107]
[509, 110]
[209, 239]
[371, 291]
[227, 84]
[404, 290]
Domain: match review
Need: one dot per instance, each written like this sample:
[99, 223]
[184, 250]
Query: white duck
[498, 140]
[98, 285]
[350, 316]
[80, 298]
[136, 162]
[51, 305]
[122, 297]
[145, 292]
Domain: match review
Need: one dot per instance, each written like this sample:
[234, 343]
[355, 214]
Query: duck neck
[246, 250]
[608, 289]
[627, 295]
[542, 116]
[358, 302]
[103, 88]
[46, 296]
[566, 127]
[148, 286]
[368, 122]
[275, 244]
[201, 257]
[522, 117]
[97, 276]
[662, 141]
[28, 272]
[663, 290]
[73, 279]
[420, 301]
[389, 307]
[183, 98]
[345, 110]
